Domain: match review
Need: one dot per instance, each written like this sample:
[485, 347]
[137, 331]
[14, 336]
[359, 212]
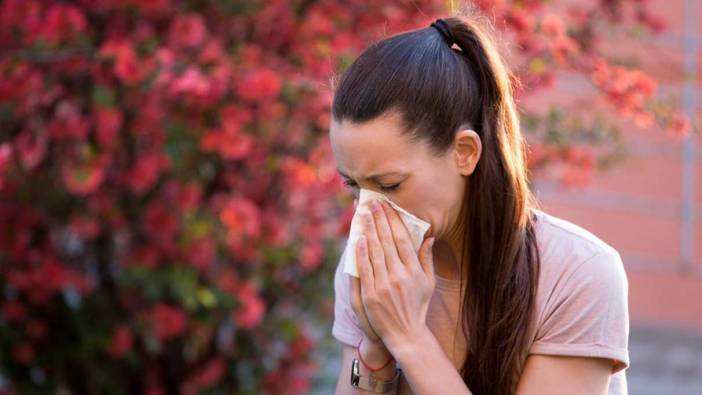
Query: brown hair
[438, 89]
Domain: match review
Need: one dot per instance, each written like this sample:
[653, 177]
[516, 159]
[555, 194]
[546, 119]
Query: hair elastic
[444, 29]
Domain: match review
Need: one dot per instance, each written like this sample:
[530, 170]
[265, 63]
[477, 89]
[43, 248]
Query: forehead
[372, 147]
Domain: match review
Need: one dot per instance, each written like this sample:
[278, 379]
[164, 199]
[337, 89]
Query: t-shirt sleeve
[346, 326]
[587, 313]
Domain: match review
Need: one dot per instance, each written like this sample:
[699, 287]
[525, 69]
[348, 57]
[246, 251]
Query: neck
[447, 252]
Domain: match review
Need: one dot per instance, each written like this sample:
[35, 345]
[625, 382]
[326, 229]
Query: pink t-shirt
[581, 304]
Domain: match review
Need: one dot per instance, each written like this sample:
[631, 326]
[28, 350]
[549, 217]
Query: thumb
[426, 257]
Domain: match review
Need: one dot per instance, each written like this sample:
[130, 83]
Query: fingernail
[431, 243]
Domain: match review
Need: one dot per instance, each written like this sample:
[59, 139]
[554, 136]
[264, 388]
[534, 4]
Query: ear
[467, 148]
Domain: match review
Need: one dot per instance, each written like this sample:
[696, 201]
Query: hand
[396, 283]
[360, 310]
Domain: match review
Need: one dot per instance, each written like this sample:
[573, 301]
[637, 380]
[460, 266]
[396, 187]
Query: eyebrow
[372, 176]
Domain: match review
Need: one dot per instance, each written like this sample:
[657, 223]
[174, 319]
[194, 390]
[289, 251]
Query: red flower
[108, 121]
[167, 321]
[241, 217]
[23, 353]
[210, 374]
[148, 256]
[46, 277]
[188, 30]
[160, 223]
[19, 15]
[13, 310]
[146, 171]
[126, 64]
[252, 309]
[31, 149]
[61, 23]
[84, 226]
[36, 329]
[120, 342]
[678, 126]
[85, 177]
[201, 252]
[68, 123]
[259, 85]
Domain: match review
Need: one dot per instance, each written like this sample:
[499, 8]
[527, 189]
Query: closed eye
[389, 188]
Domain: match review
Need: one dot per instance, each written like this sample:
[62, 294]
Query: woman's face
[374, 155]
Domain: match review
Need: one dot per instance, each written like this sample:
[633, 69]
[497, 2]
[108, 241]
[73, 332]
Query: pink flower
[5, 161]
[311, 256]
[126, 64]
[188, 30]
[252, 309]
[167, 321]
[120, 342]
[232, 118]
[552, 25]
[192, 82]
[678, 126]
[259, 85]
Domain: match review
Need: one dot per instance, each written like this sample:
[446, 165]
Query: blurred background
[170, 213]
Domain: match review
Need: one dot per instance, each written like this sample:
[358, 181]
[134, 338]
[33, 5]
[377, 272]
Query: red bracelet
[358, 348]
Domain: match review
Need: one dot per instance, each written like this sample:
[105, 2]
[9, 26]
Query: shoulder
[567, 248]
[578, 272]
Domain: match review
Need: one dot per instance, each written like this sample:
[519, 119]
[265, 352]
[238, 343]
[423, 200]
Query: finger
[392, 258]
[375, 250]
[403, 240]
[365, 271]
[358, 307]
[426, 257]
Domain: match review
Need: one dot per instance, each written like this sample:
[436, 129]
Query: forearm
[426, 367]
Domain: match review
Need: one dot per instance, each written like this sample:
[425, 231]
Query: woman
[509, 299]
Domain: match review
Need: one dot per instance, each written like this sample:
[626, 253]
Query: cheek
[438, 203]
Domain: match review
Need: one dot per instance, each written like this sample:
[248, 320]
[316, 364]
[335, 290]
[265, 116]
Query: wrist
[408, 347]
[375, 353]
[376, 360]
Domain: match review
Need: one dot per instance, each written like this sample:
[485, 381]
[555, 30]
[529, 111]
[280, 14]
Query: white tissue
[416, 227]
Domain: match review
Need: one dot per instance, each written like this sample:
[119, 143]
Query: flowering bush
[167, 193]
